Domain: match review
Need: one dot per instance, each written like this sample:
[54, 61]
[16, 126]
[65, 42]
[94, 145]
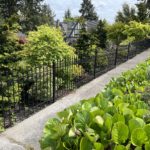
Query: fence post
[116, 55]
[129, 45]
[95, 62]
[54, 81]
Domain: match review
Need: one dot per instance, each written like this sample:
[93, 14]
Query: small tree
[142, 12]
[85, 50]
[88, 11]
[67, 14]
[68, 17]
[115, 33]
[137, 31]
[127, 14]
[147, 3]
[45, 45]
[46, 15]
[101, 34]
[9, 45]
[34, 13]
[9, 8]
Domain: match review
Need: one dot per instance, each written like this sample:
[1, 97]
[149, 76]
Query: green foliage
[120, 133]
[29, 13]
[68, 17]
[127, 14]
[85, 48]
[123, 34]
[14, 80]
[1, 124]
[85, 144]
[9, 45]
[46, 45]
[138, 137]
[46, 16]
[114, 119]
[9, 8]
[102, 59]
[138, 13]
[101, 34]
[137, 31]
[115, 32]
[142, 12]
[87, 10]
[67, 14]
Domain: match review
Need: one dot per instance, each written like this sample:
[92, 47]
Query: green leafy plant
[116, 119]
[46, 45]
[137, 31]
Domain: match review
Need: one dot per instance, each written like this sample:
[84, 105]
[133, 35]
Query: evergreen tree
[30, 10]
[29, 13]
[101, 34]
[147, 3]
[9, 44]
[67, 14]
[127, 14]
[9, 8]
[85, 50]
[88, 11]
[46, 15]
[142, 12]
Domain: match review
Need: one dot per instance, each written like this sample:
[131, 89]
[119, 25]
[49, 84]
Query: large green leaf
[120, 133]
[120, 147]
[147, 130]
[82, 119]
[127, 111]
[98, 146]
[118, 118]
[147, 146]
[108, 121]
[117, 92]
[91, 135]
[86, 106]
[141, 112]
[54, 129]
[138, 137]
[47, 143]
[101, 102]
[85, 144]
[136, 123]
[66, 115]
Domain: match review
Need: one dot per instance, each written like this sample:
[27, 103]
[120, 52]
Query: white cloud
[105, 8]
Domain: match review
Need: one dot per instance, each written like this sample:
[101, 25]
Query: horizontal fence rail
[28, 90]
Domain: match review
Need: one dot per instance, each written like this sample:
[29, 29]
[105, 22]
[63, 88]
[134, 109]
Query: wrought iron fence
[25, 91]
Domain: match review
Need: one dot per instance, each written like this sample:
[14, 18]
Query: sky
[105, 8]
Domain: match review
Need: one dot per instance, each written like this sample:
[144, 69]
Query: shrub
[137, 31]
[102, 59]
[46, 45]
[115, 32]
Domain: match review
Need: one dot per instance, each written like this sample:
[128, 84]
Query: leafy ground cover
[116, 119]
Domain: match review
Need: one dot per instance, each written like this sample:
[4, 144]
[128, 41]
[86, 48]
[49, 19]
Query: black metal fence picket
[25, 91]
